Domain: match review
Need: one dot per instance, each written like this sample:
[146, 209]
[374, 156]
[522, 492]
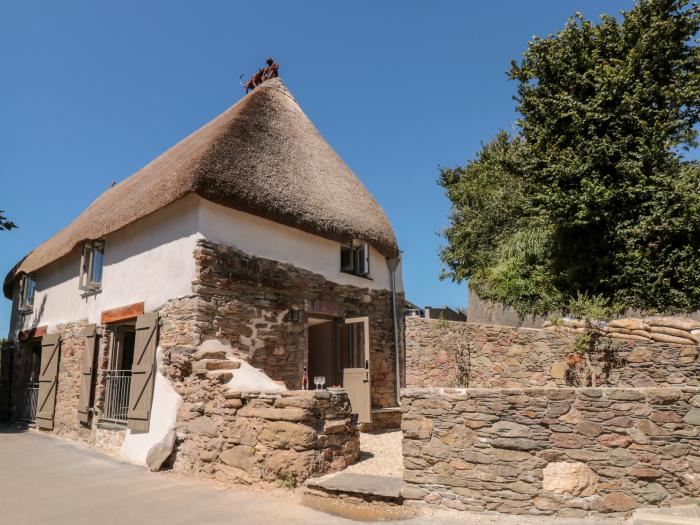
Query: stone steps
[680, 515]
[357, 496]
[213, 363]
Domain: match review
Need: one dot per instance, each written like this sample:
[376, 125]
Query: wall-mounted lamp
[294, 316]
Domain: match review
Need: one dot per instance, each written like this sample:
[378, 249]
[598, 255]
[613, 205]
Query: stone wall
[68, 383]
[249, 437]
[451, 354]
[250, 301]
[544, 451]
[233, 436]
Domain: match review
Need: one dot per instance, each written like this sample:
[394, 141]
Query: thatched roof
[262, 156]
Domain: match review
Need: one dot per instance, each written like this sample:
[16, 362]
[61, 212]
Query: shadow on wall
[489, 312]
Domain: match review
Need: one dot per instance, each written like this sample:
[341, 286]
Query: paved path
[47, 480]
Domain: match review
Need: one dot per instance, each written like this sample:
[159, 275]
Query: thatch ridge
[262, 156]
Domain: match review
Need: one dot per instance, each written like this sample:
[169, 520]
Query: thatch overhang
[262, 156]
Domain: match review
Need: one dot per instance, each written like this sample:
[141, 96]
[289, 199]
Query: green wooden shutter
[86, 373]
[5, 382]
[48, 381]
[143, 372]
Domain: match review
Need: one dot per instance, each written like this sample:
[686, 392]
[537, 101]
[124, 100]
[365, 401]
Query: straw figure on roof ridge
[263, 74]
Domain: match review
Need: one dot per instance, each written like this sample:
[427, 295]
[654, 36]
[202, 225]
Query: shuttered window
[48, 381]
[143, 372]
[86, 374]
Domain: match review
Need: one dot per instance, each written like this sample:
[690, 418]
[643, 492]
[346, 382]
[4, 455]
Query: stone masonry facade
[453, 354]
[231, 436]
[262, 307]
[567, 451]
[256, 436]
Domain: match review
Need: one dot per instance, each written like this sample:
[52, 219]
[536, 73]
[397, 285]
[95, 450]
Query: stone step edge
[318, 485]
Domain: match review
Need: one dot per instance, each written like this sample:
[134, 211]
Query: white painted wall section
[166, 403]
[270, 240]
[149, 260]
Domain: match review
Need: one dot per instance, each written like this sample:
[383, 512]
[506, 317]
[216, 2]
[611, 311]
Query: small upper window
[91, 265]
[27, 287]
[354, 258]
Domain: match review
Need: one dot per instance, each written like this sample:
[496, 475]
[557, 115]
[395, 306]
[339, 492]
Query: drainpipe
[393, 264]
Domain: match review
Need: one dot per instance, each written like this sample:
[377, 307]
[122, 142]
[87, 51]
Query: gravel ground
[380, 454]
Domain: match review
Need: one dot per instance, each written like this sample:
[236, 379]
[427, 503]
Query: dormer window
[91, 266]
[27, 287]
[354, 258]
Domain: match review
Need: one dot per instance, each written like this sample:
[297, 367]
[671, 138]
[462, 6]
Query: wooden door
[5, 382]
[86, 375]
[48, 381]
[143, 372]
[353, 340]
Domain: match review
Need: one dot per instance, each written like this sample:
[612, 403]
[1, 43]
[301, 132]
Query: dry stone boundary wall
[507, 357]
[556, 450]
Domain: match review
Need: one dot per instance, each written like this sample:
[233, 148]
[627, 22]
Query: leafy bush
[591, 198]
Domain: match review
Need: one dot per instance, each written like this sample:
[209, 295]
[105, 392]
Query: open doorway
[118, 374]
[339, 350]
[339, 356]
[322, 362]
[26, 387]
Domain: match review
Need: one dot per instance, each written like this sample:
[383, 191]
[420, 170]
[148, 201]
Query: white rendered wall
[149, 260]
[166, 403]
[270, 240]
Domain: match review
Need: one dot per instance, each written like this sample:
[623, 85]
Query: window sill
[107, 424]
[355, 275]
[25, 310]
[90, 293]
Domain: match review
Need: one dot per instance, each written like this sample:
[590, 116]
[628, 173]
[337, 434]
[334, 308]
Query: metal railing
[25, 401]
[117, 385]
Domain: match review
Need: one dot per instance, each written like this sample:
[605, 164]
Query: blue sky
[92, 91]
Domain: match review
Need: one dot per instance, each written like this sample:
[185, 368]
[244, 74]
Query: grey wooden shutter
[143, 372]
[48, 381]
[5, 382]
[86, 372]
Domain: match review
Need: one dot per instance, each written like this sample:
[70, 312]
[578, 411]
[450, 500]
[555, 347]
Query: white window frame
[26, 303]
[359, 258]
[87, 261]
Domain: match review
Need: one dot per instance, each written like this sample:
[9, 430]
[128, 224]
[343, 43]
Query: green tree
[6, 224]
[591, 197]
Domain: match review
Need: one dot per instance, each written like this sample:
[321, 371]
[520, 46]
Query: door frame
[364, 320]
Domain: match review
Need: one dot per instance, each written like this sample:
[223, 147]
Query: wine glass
[322, 381]
[317, 381]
